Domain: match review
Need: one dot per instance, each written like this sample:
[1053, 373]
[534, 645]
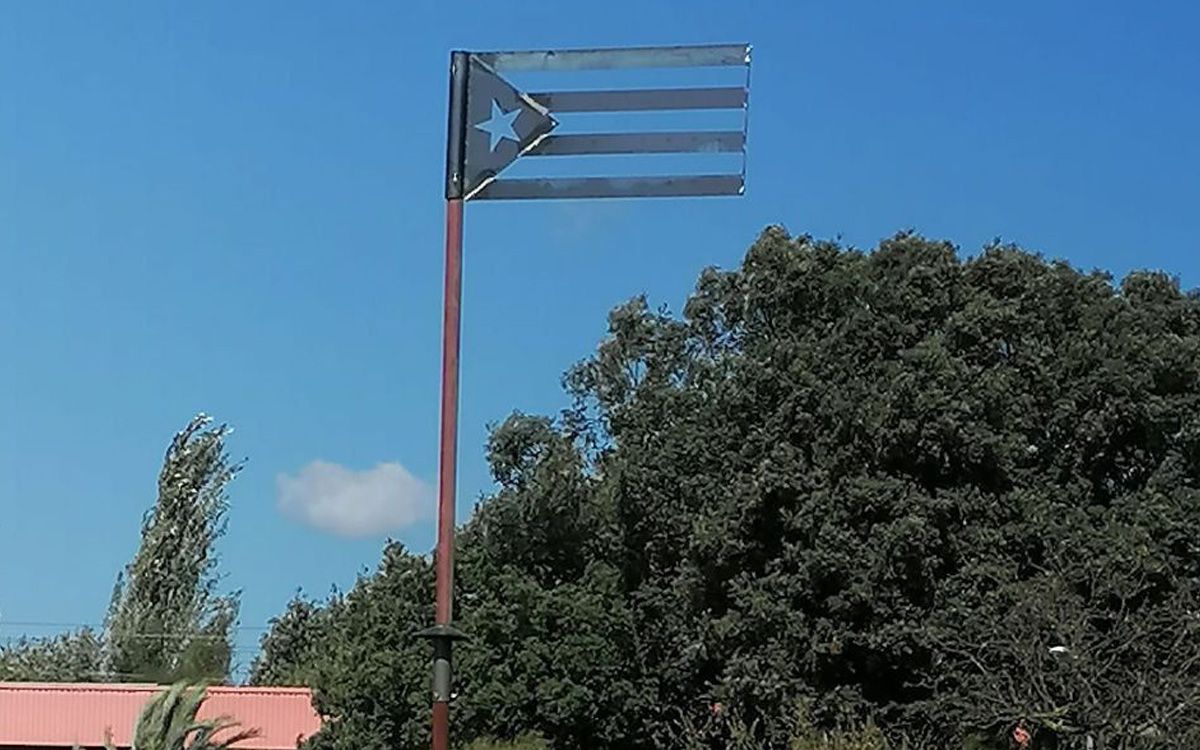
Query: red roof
[64, 715]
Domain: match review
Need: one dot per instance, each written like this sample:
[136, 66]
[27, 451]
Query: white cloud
[354, 503]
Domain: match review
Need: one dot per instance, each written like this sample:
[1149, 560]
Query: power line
[241, 650]
[146, 637]
[164, 636]
[99, 626]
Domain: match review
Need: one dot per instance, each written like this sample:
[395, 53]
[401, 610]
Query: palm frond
[169, 722]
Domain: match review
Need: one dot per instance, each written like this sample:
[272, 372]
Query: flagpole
[443, 633]
[447, 461]
[520, 125]
[448, 453]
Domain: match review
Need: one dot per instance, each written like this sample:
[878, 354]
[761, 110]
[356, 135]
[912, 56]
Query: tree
[291, 647]
[1072, 666]
[71, 657]
[553, 640]
[170, 721]
[879, 485]
[371, 671]
[167, 620]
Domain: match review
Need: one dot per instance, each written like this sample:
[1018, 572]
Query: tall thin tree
[167, 620]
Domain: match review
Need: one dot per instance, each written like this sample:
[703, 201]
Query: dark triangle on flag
[502, 123]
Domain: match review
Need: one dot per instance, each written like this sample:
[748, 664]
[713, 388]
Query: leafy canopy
[948, 495]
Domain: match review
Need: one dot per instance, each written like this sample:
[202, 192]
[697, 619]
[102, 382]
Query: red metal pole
[441, 726]
[447, 461]
[448, 457]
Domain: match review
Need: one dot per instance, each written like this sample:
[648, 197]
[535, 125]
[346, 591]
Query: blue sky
[236, 208]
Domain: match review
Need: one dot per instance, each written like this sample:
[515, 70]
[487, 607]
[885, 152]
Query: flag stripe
[640, 143]
[720, 55]
[642, 100]
[614, 187]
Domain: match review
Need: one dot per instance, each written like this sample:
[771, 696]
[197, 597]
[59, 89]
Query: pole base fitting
[443, 638]
[441, 632]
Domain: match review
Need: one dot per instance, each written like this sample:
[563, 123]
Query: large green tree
[951, 495]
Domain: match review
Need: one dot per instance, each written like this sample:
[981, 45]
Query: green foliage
[727, 730]
[524, 742]
[882, 485]
[166, 621]
[864, 739]
[290, 649]
[169, 722]
[807, 737]
[71, 657]
[371, 671]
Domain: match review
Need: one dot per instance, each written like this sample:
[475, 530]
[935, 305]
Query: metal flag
[493, 123]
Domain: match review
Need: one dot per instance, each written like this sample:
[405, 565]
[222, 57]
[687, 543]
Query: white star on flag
[500, 125]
